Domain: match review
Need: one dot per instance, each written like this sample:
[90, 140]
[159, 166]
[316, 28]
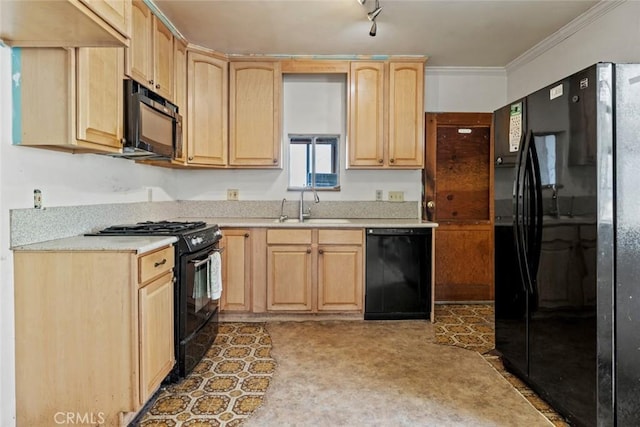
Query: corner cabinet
[254, 114]
[314, 270]
[84, 85]
[386, 107]
[98, 325]
[207, 109]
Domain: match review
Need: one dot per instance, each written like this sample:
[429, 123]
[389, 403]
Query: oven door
[197, 305]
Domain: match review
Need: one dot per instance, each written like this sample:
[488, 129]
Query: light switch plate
[396, 196]
[232, 194]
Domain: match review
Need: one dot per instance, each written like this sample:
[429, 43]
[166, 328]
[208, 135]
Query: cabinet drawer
[339, 237]
[154, 264]
[288, 237]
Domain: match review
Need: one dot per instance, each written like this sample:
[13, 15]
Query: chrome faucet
[283, 217]
[302, 215]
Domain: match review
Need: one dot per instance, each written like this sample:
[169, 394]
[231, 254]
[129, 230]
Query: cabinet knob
[431, 205]
[150, 82]
[275, 161]
[379, 160]
[308, 250]
[320, 251]
[158, 86]
[499, 161]
[246, 235]
[392, 160]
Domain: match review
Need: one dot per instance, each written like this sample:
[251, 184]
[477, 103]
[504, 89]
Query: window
[313, 161]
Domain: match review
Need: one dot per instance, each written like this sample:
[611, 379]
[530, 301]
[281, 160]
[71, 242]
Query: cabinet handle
[308, 250]
[431, 205]
[158, 86]
[246, 235]
[275, 161]
[392, 160]
[158, 264]
[320, 251]
[499, 161]
[379, 160]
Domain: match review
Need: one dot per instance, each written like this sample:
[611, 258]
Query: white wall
[614, 37]
[464, 89]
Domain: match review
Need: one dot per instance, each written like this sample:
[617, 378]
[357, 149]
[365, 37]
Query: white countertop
[315, 222]
[138, 244]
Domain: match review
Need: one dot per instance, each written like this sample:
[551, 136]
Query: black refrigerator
[567, 243]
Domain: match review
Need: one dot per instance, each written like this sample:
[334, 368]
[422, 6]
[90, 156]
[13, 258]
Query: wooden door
[162, 60]
[254, 113]
[139, 52]
[289, 278]
[366, 114]
[207, 94]
[100, 96]
[406, 114]
[459, 197]
[156, 334]
[236, 270]
[339, 278]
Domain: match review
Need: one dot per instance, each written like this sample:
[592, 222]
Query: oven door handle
[198, 262]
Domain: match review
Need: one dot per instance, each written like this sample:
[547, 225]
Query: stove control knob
[194, 241]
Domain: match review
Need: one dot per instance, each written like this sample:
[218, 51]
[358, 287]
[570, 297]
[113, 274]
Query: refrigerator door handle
[521, 217]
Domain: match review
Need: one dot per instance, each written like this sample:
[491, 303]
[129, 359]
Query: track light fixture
[371, 16]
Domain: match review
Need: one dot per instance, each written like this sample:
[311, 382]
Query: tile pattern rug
[226, 386]
[472, 326]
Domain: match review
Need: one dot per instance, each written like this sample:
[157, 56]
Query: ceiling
[450, 32]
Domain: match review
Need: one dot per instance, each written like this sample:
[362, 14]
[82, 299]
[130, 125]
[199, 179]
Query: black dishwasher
[398, 273]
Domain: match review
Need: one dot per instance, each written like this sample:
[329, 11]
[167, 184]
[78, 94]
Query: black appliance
[398, 273]
[567, 306]
[196, 315]
[152, 125]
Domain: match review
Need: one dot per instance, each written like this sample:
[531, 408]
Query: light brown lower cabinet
[236, 270]
[94, 333]
[314, 270]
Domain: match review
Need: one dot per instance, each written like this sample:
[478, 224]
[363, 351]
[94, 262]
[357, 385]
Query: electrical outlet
[396, 196]
[232, 194]
[378, 195]
[37, 199]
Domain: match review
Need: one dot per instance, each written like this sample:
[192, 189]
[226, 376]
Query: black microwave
[152, 125]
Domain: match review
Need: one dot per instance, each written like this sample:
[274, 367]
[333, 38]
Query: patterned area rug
[225, 387]
[472, 326]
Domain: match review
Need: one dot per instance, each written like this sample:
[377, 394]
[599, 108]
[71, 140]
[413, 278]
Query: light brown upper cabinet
[150, 54]
[207, 109]
[386, 107]
[84, 85]
[254, 114]
[66, 23]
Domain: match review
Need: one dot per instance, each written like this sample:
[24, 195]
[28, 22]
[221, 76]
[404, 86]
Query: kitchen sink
[314, 221]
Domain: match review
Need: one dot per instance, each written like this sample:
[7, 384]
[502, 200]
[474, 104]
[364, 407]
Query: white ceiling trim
[466, 71]
[596, 12]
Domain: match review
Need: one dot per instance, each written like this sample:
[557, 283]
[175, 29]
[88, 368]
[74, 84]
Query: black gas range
[197, 265]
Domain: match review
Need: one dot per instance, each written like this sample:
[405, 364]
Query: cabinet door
[236, 270]
[115, 12]
[340, 278]
[406, 114]
[207, 110]
[156, 334]
[100, 93]
[162, 60]
[180, 92]
[366, 110]
[289, 278]
[254, 117]
[139, 53]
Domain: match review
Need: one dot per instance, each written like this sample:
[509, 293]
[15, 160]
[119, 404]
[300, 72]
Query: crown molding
[593, 14]
[466, 71]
